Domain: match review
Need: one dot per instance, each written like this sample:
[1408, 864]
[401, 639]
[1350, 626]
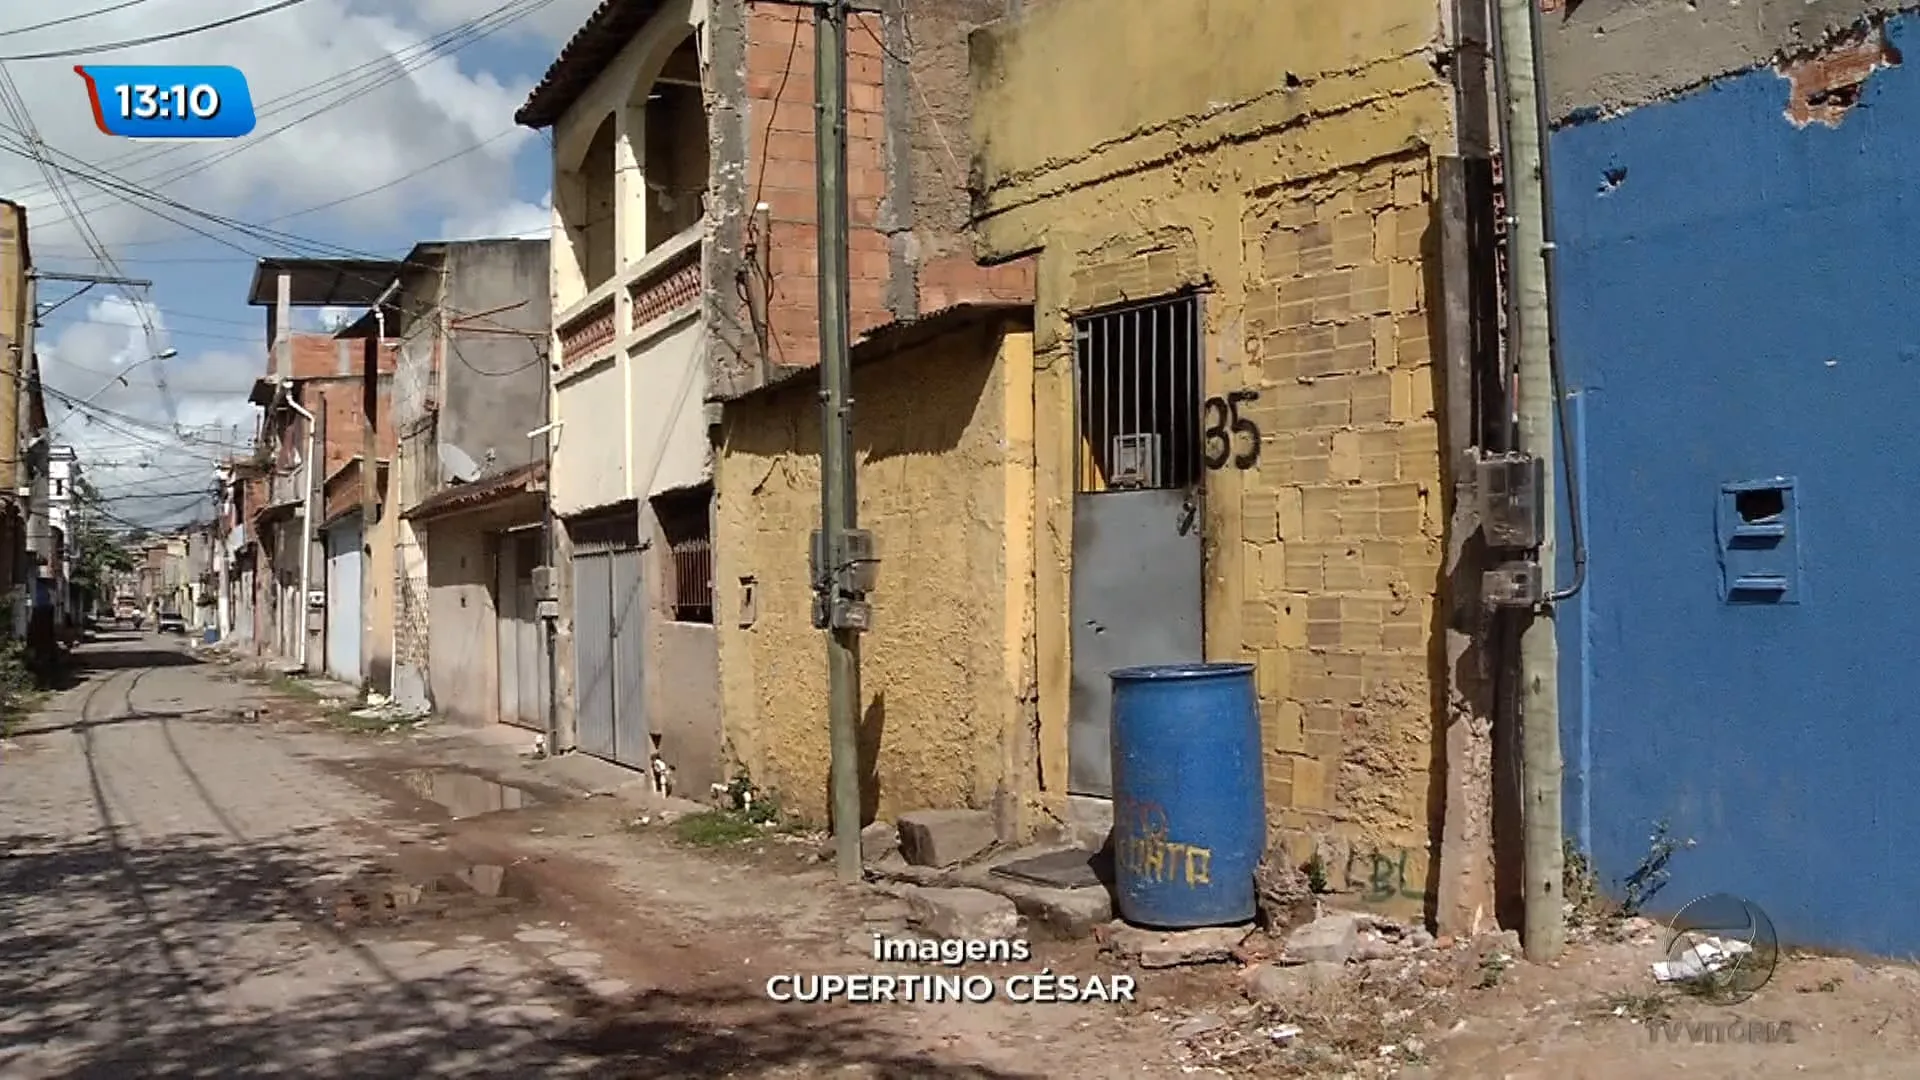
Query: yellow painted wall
[1278, 154]
[943, 435]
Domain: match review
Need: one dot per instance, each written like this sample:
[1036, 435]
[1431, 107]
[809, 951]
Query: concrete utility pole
[1539, 651]
[837, 500]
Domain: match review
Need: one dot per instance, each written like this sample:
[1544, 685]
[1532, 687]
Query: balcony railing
[667, 286]
[587, 333]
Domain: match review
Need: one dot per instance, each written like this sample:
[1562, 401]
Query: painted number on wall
[1226, 435]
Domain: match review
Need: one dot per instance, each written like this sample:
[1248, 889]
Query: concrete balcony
[654, 291]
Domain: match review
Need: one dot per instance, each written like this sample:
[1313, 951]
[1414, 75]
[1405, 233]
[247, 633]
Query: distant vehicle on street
[171, 622]
[126, 612]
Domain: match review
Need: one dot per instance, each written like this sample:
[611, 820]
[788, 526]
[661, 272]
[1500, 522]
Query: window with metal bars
[1137, 385]
[685, 525]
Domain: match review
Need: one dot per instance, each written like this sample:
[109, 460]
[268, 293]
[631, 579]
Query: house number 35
[1226, 435]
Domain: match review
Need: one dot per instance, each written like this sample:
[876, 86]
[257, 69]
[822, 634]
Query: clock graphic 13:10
[169, 101]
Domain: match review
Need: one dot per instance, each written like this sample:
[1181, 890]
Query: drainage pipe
[307, 530]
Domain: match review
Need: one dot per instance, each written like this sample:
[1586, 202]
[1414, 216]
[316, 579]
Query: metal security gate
[343, 601]
[521, 646]
[609, 635]
[1137, 575]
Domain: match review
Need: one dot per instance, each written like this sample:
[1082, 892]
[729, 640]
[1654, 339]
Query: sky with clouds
[381, 125]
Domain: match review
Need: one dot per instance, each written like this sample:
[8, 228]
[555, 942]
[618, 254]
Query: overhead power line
[344, 87]
[64, 19]
[152, 202]
[398, 180]
[151, 39]
[16, 106]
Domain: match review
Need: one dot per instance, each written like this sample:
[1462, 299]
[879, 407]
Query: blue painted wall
[1740, 300]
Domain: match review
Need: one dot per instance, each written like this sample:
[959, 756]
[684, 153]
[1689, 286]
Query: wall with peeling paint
[1279, 155]
[1606, 56]
[943, 450]
[1737, 309]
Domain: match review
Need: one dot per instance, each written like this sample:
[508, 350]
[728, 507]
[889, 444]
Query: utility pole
[369, 476]
[1539, 651]
[839, 556]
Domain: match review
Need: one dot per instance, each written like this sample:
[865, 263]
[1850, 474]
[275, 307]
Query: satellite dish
[456, 466]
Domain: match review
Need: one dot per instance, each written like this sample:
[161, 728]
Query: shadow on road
[136, 961]
[111, 653]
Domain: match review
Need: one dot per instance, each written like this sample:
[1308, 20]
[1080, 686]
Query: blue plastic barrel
[1189, 794]
[211, 635]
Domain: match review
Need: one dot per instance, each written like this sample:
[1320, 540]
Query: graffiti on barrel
[1143, 846]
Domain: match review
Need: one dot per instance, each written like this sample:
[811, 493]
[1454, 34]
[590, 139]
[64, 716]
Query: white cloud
[333, 318]
[104, 398]
[138, 446]
[298, 61]
[516, 218]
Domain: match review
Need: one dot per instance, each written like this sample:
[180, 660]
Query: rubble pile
[1348, 991]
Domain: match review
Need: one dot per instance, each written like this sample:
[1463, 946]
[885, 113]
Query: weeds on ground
[20, 691]
[1316, 871]
[748, 814]
[1651, 875]
[1640, 1006]
[343, 719]
[715, 828]
[1353, 1018]
[1493, 967]
[1589, 908]
[289, 686]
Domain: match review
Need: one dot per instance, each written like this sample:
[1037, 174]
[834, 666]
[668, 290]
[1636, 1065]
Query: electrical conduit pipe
[306, 521]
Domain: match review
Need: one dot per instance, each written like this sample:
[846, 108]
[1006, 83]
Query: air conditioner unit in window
[1136, 461]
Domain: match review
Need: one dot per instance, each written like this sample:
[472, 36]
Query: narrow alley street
[208, 875]
[193, 885]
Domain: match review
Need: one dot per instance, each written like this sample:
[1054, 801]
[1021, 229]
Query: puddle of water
[467, 795]
[382, 897]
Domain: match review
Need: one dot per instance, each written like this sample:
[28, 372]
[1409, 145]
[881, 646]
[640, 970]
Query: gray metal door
[344, 623]
[631, 746]
[531, 653]
[522, 667]
[1135, 600]
[506, 643]
[593, 652]
[1137, 588]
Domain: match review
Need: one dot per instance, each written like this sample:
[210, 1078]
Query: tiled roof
[591, 48]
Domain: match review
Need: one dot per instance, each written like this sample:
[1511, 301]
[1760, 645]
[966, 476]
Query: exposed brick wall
[921, 136]
[322, 356]
[957, 279]
[1342, 522]
[339, 403]
[781, 173]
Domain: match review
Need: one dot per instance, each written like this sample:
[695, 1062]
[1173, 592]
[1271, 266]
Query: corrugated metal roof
[892, 338]
[584, 56]
[524, 478]
[323, 282]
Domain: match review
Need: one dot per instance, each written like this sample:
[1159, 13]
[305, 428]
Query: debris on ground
[1285, 895]
[388, 711]
[1171, 948]
[1705, 957]
[968, 914]
[945, 837]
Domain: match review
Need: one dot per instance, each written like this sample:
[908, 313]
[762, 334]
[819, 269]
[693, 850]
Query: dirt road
[200, 880]
[204, 876]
